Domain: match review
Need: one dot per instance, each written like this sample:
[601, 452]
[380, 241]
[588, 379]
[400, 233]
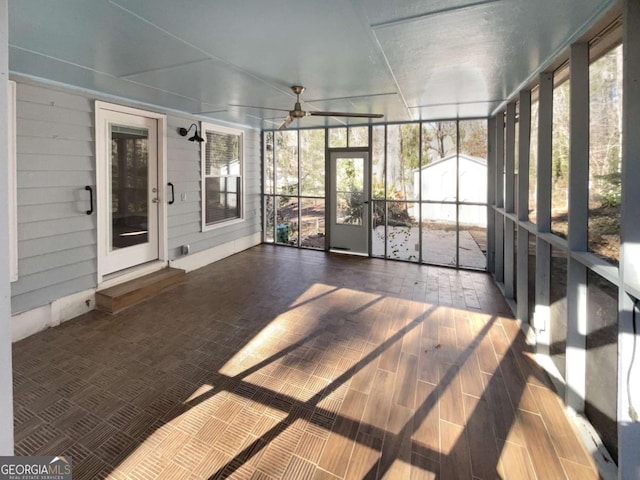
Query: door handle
[173, 194]
[90, 190]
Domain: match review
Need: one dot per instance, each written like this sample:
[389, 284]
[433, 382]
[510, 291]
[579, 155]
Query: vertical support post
[457, 194]
[578, 220]
[499, 192]
[299, 239]
[629, 322]
[370, 198]
[509, 204]
[328, 202]
[491, 194]
[6, 374]
[543, 249]
[522, 203]
[510, 159]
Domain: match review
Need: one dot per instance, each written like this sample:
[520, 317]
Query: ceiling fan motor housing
[297, 111]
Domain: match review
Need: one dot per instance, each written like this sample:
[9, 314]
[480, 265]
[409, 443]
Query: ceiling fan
[297, 111]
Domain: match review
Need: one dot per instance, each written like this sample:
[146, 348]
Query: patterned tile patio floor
[284, 363]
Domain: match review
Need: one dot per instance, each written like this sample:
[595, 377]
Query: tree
[438, 140]
[473, 138]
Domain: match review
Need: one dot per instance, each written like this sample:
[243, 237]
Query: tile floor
[284, 363]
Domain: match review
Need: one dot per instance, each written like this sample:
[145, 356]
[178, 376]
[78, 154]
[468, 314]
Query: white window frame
[210, 127]
[12, 179]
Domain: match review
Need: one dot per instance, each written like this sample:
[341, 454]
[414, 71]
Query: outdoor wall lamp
[196, 136]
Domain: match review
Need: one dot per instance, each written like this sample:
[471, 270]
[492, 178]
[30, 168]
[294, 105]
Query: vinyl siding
[56, 160]
[185, 224]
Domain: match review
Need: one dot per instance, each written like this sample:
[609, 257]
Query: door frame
[102, 110]
[329, 194]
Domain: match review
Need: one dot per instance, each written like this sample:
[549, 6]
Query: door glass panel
[129, 186]
[349, 191]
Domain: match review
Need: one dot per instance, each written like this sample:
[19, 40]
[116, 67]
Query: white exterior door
[128, 191]
[349, 213]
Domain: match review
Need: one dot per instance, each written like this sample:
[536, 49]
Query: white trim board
[59, 311]
[211, 255]
[11, 177]
[66, 308]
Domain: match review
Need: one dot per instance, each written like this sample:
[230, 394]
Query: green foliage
[312, 162]
[611, 192]
[473, 138]
[355, 207]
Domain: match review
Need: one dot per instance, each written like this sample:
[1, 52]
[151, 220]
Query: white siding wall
[184, 172]
[439, 183]
[56, 160]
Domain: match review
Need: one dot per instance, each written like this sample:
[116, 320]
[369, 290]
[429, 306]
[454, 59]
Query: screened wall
[555, 237]
[427, 183]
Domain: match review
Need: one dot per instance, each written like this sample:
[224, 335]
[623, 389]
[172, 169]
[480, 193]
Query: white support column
[628, 333]
[509, 203]
[491, 194]
[499, 226]
[543, 249]
[522, 203]
[6, 385]
[578, 219]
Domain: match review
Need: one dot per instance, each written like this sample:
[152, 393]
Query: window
[221, 175]
[12, 167]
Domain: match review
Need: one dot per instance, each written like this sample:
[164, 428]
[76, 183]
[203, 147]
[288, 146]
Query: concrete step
[117, 298]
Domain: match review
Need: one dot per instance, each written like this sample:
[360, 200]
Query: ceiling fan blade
[344, 114]
[286, 123]
[260, 108]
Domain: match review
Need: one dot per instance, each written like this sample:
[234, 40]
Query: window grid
[222, 164]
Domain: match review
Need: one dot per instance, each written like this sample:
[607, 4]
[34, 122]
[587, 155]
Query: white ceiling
[407, 59]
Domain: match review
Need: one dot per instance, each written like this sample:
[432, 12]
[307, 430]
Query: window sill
[216, 226]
